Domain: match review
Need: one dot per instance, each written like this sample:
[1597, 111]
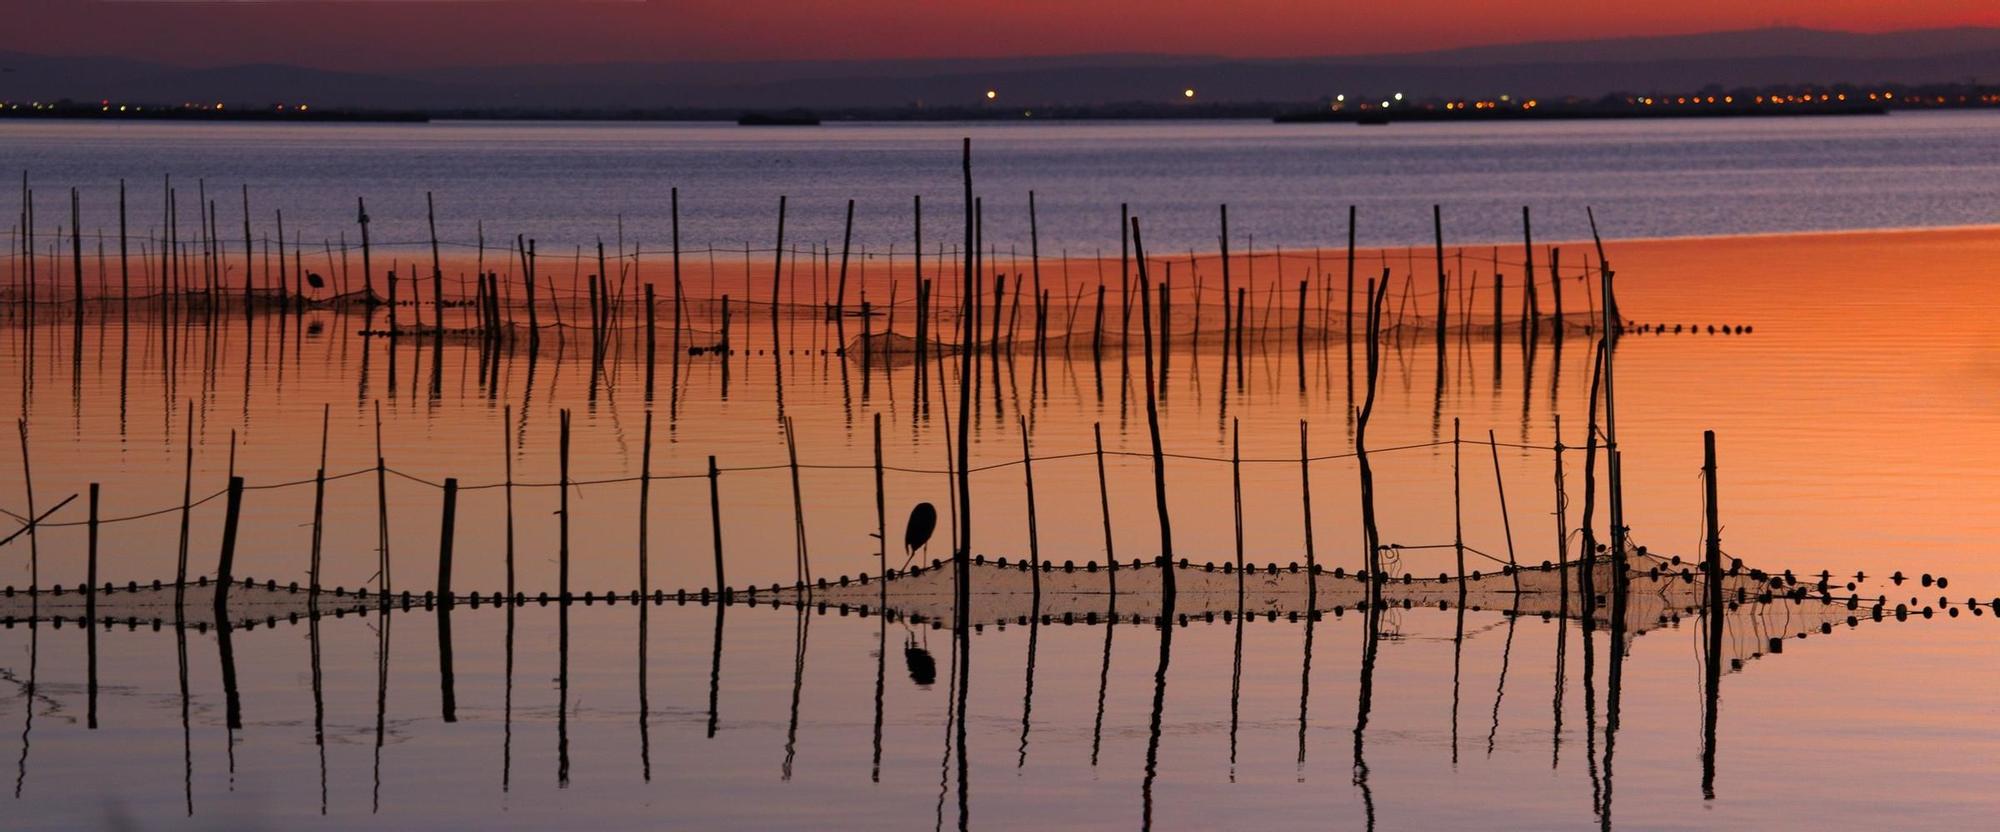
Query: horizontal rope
[987, 467]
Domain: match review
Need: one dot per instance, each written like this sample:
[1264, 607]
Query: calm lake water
[1286, 185]
[1856, 425]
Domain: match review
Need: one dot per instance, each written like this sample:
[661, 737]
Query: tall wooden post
[225, 567]
[715, 526]
[1168, 590]
[562, 512]
[645, 485]
[1104, 504]
[447, 525]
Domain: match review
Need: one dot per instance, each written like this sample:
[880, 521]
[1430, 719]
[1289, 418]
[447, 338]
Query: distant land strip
[1709, 102]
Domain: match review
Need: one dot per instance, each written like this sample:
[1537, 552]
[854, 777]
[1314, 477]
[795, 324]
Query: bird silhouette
[919, 661]
[917, 534]
[314, 280]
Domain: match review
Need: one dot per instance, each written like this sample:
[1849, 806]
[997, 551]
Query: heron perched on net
[917, 533]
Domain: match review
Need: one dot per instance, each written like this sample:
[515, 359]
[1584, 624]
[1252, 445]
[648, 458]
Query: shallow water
[1856, 429]
[1286, 185]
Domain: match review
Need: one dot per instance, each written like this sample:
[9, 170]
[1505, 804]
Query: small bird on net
[314, 280]
[917, 533]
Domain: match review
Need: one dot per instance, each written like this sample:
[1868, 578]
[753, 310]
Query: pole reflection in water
[381, 698]
[1371, 639]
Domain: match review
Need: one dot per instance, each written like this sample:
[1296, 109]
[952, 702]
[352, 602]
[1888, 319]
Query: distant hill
[1565, 68]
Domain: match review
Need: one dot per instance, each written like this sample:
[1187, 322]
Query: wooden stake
[1104, 504]
[1236, 492]
[1714, 613]
[1300, 335]
[1556, 286]
[798, 506]
[76, 248]
[319, 502]
[381, 506]
[881, 508]
[437, 269]
[1034, 538]
[1226, 319]
[846, 239]
[507, 460]
[90, 610]
[715, 526]
[777, 279]
[1305, 493]
[649, 344]
[187, 502]
[1166, 562]
[962, 554]
[562, 557]
[1437, 229]
[1514, 567]
[679, 300]
[1457, 508]
[90, 583]
[448, 524]
[225, 568]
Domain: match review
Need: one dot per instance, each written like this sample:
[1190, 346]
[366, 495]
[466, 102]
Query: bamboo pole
[1457, 508]
[798, 505]
[1034, 537]
[225, 568]
[650, 337]
[527, 252]
[1616, 503]
[319, 503]
[881, 511]
[562, 556]
[1713, 614]
[1589, 547]
[1305, 494]
[76, 248]
[846, 240]
[1236, 493]
[507, 487]
[1300, 336]
[1533, 322]
[715, 526]
[1556, 287]
[124, 260]
[381, 507]
[962, 556]
[1437, 229]
[679, 300]
[1104, 505]
[437, 269]
[1226, 325]
[90, 582]
[90, 610]
[367, 271]
[1166, 565]
[1506, 523]
[447, 526]
[1562, 522]
[1371, 535]
[187, 503]
[777, 279]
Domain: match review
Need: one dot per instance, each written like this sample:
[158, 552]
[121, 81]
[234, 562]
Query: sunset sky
[397, 34]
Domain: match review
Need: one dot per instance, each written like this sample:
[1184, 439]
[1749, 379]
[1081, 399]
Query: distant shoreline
[768, 119]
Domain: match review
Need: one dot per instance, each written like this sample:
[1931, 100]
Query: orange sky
[390, 34]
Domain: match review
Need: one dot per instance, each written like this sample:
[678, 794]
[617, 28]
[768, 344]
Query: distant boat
[789, 118]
